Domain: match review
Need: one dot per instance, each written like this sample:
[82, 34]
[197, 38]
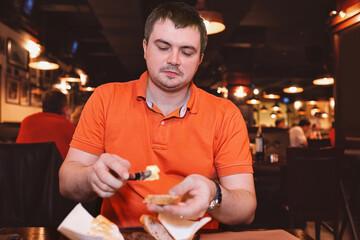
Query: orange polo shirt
[208, 136]
[47, 127]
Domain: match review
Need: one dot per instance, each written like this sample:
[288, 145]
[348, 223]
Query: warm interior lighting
[263, 109]
[63, 86]
[332, 102]
[297, 105]
[293, 89]
[324, 81]
[273, 115]
[314, 110]
[239, 92]
[213, 21]
[312, 102]
[87, 89]
[33, 48]
[271, 96]
[253, 101]
[324, 115]
[256, 91]
[70, 75]
[43, 63]
[301, 111]
[224, 91]
[276, 107]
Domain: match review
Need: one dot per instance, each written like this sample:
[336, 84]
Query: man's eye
[187, 53]
[163, 48]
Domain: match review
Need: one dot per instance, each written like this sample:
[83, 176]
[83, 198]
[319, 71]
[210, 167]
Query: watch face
[214, 204]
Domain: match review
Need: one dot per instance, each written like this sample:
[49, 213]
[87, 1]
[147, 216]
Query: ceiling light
[312, 102]
[240, 92]
[70, 75]
[253, 101]
[256, 91]
[326, 80]
[293, 89]
[301, 111]
[273, 115]
[42, 62]
[276, 107]
[213, 21]
[271, 96]
[297, 104]
[263, 109]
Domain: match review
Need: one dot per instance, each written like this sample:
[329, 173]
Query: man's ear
[201, 58]
[144, 47]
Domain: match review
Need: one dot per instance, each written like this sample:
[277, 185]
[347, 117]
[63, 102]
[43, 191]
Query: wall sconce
[263, 109]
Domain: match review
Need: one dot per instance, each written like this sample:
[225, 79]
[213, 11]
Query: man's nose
[173, 58]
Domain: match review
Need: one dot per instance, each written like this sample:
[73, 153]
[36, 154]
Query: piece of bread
[161, 199]
[154, 169]
[103, 227]
[154, 227]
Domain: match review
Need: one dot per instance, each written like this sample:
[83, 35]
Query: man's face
[172, 55]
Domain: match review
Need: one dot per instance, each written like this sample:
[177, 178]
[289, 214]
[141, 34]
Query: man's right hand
[108, 174]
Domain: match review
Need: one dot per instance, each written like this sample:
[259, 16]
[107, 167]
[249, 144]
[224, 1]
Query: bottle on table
[259, 146]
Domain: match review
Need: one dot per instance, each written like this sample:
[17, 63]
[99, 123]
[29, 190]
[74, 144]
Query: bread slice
[161, 199]
[103, 227]
[154, 227]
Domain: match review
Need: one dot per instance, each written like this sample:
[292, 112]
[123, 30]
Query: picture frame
[12, 90]
[17, 55]
[25, 92]
[35, 95]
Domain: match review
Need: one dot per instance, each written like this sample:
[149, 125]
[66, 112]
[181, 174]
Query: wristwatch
[215, 203]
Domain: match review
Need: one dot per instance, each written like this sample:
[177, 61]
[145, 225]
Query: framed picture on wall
[35, 95]
[12, 90]
[17, 55]
[25, 92]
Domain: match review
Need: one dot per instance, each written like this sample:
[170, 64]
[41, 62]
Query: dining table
[51, 233]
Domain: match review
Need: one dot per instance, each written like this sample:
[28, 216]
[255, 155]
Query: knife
[134, 176]
[139, 175]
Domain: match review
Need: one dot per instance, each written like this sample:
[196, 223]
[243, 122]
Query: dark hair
[182, 15]
[53, 101]
[304, 122]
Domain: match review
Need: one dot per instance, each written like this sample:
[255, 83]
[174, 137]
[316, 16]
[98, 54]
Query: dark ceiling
[269, 43]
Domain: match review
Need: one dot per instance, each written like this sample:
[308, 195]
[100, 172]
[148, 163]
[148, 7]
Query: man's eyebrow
[167, 43]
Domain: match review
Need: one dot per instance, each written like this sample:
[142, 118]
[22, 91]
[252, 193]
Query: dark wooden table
[43, 233]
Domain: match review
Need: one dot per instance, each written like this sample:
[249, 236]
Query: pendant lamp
[70, 75]
[213, 20]
[43, 62]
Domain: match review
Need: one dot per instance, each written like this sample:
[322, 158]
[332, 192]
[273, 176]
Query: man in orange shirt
[50, 125]
[198, 141]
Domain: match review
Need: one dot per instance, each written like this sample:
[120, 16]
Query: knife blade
[139, 175]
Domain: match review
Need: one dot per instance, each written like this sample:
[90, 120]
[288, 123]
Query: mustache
[171, 68]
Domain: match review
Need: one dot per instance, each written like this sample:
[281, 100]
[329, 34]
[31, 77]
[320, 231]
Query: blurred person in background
[50, 125]
[280, 123]
[298, 134]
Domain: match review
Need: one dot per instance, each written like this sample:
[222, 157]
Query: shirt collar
[192, 103]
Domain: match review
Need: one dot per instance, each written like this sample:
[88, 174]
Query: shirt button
[162, 122]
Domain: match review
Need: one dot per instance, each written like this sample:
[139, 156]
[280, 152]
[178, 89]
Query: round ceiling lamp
[213, 21]
[253, 101]
[70, 75]
[293, 89]
[42, 62]
[271, 96]
[263, 109]
[324, 81]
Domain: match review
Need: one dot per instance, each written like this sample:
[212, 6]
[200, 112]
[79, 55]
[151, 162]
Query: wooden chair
[313, 186]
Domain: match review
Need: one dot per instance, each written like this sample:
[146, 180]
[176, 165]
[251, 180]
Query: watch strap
[215, 203]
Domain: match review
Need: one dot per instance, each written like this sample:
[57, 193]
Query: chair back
[313, 183]
[29, 185]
